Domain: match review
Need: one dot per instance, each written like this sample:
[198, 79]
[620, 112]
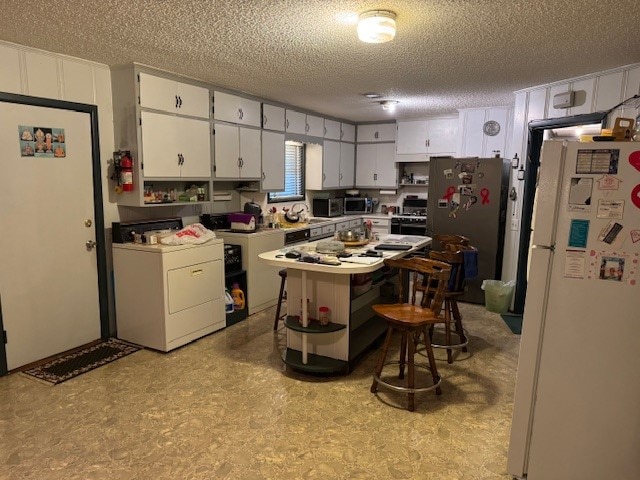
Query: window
[293, 174]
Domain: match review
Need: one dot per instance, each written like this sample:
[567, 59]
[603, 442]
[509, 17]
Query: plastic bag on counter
[193, 234]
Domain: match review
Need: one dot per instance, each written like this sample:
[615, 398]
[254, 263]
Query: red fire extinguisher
[126, 172]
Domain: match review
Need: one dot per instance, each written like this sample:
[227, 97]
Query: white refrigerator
[577, 396]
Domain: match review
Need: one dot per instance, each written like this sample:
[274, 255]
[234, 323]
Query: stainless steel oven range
[413, 218]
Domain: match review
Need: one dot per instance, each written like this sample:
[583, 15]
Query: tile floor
[225, 407]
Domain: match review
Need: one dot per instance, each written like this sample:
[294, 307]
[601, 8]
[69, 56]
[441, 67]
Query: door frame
[98, 211]
[534, 146]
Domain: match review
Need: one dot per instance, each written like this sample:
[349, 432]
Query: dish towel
[470, 263]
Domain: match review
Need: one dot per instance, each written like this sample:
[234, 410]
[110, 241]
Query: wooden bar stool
[455, 288]
[412, 321]
[283, 279]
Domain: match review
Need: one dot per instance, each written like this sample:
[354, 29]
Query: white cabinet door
[412, 137]
[609, 91]
[272, 117]
[442, 135]
[235, 109]
[383, 132]
[194, 147]
[331, 164]
[192, 100]
[366, 159]
[173, 97]
[296, 122]
[10, 74]
[227, 151]
[331, 129]
[347, 164]
[348, 132]
[315, 126]
[272, 161]
[160, 145]
[250, 153]
[386, 168]
[158, 93]
[472, 122]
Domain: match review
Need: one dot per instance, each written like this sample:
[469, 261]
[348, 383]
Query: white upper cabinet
[272, 162]
[174, 147]
[237, 152]
[375, 165]
[348, 132]
[170, 96]
[485, 131]
[315, 126]
[434, 136]
[235, 109]
[10, 73]
[384, 132]
[330, 165]
[296, 122]
[347, 165]
[272, 117]
[331, 129]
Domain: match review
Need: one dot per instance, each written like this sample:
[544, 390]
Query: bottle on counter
[238, 297]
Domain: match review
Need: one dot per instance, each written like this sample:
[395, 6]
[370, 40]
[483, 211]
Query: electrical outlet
[515, 224]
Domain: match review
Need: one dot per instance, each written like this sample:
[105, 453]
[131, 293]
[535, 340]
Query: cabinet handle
[306, 127]
[263, 176]
[240, 113]
[426, 143]
[324, 176]
[325, 131]
[340, 177]
[196, 272]
[176, 101]
[241, 162]
[375, 176]
[287, 124]
[264, 120]
[179, 102]
[375, 135]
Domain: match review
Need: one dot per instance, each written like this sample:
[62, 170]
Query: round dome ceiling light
[389, 104]
[377, 26]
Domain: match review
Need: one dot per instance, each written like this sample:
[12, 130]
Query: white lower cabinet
[237, 152]
[167, 296]
[263, 282]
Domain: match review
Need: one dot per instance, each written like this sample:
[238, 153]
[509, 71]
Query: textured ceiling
[447, 54]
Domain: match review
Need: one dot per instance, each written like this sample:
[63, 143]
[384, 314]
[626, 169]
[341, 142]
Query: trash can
[498, 295]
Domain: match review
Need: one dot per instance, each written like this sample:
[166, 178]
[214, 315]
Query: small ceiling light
[377, 26]
[372, 95]
[388, 104]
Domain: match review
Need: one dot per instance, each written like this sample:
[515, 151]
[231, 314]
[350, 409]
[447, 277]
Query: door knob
[88, 222]
[90, 245]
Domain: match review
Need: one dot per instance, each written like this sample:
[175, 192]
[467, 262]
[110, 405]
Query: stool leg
[458, 321]
[403, 353]
[447, 328]
[381, 359]
[432, 361]
[275, 323]
[411, 381]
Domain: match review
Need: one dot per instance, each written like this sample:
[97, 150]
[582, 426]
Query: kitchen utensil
[253, 209]
[293, 215]
[348, 236]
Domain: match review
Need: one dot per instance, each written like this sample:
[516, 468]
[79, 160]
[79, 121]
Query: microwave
[327, 207]
[357, 205]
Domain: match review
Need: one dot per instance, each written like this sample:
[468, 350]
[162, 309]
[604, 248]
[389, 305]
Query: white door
[158, 93]
[160, 145]
[331, 164]
[386, 168]
[272, 161]
[195, 147]
[347, 164]
[412, 137]
[48, 275]
[366, 165]
[227, 151]
[250, 153]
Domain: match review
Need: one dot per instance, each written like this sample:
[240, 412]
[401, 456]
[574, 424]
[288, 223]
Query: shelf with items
[314, 326]
[179, 192]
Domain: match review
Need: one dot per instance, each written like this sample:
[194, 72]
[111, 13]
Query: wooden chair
[283, 279]
[412, 321]
[455, 288]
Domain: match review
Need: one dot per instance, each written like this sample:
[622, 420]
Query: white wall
[37, 73]
[595, 92]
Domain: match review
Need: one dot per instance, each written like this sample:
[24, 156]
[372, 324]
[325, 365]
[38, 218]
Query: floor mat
[513, 321]
[82, 361]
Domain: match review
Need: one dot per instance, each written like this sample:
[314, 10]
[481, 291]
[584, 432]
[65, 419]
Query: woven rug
[70, 366]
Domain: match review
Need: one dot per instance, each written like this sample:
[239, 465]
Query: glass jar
[324, 315]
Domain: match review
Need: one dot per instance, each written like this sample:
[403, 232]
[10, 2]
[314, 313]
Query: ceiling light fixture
[372, 95]
[388, 104]
[377, 26]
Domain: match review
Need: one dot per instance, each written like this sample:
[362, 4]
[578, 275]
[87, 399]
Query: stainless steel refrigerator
[468, 196]
[576, 411]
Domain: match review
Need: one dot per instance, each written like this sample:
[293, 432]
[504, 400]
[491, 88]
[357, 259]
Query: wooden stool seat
[283, 279]
[412, 321]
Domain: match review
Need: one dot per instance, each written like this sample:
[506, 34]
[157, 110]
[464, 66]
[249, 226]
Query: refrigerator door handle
[546, 247]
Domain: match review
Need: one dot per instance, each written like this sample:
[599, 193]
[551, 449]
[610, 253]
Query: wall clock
[491, 128]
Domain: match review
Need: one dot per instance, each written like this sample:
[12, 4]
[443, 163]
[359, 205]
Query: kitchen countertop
[275, 257]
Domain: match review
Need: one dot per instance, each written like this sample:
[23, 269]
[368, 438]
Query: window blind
[293, 174]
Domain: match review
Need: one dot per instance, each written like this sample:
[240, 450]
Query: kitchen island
[348, 290]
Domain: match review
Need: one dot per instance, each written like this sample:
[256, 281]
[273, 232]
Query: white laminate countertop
[276, 257]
